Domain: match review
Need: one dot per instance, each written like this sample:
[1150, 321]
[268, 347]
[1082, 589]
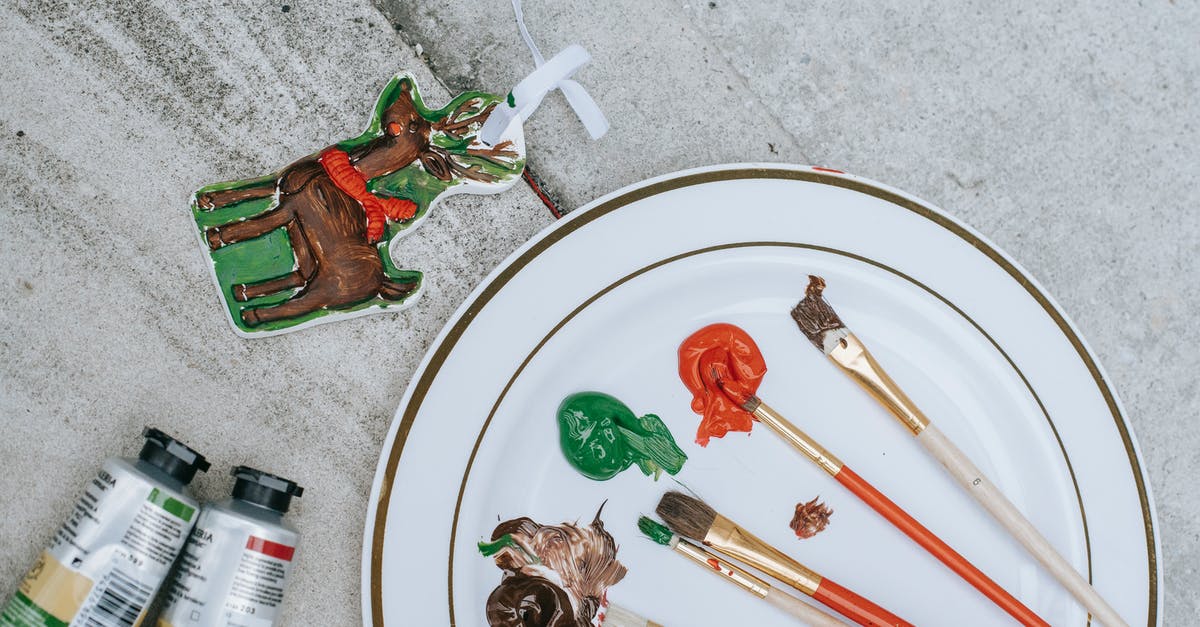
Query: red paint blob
[712, 561]
[722, 367]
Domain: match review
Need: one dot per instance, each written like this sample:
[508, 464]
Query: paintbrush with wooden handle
[692, 518]
[822, 326]
[738, 575]
[722, 364]
[884, 506]
[618, 616]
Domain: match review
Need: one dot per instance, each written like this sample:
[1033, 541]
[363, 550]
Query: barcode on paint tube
[121, 602]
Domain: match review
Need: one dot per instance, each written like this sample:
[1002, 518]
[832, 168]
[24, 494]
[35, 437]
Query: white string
[549, 75]
[538, 59]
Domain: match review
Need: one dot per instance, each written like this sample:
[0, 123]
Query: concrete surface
[108, 316]
[1066, 134]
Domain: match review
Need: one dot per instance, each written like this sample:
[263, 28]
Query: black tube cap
[171, 456]
[263, 488]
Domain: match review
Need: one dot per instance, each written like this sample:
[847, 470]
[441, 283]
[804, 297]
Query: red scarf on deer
[378, 208]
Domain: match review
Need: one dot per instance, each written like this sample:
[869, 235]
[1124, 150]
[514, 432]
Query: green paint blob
[602, 437]
[655, 530]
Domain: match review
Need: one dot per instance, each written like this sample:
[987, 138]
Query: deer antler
[453, 126]
[496, 154]
[445, 164]
[472, 172]
[469, 172]
[470, 103]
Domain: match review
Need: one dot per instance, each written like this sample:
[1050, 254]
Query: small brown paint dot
[20, 133]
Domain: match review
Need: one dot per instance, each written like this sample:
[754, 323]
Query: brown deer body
[337, 263]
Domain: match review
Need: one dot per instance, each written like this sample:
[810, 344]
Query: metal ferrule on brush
[853, 357]
[793, 435]
[822, 326]
[736, 574]
[725, 536]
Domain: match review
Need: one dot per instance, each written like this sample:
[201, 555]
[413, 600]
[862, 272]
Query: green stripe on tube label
[176, 508]
[22, 612]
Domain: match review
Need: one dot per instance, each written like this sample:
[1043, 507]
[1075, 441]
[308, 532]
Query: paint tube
[234, 568]
[109, 558]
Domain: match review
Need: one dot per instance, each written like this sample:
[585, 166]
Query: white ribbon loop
[549, 75]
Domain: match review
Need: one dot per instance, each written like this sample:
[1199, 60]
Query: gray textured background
[1067, 134]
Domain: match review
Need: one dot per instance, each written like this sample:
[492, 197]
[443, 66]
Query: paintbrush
[617, 616]
[693, 518]
[894, 514]
[739, 576]
[821, 324]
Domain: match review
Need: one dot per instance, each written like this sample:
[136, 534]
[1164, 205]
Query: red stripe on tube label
[271, 549]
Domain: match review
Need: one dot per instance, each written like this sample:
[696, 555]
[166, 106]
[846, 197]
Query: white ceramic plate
[601, 300]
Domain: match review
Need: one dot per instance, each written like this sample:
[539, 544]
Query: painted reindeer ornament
[310, 243]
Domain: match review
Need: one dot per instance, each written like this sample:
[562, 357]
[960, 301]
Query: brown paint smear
[810, 519]
[583, 558]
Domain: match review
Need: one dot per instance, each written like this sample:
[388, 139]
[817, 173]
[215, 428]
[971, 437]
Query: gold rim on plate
[442, 351]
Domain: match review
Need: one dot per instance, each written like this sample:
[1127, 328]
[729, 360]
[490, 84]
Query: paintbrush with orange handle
[722, 366]
[737, 575]
[894, 514]
[693, 518]
[821, 325]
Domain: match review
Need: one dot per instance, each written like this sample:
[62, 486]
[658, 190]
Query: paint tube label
[232, 574]
[106, 562]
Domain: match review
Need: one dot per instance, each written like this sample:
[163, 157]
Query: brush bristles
[814, 315]
[655, 531]
[617, 616]
[686, 516]
[746, 402]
